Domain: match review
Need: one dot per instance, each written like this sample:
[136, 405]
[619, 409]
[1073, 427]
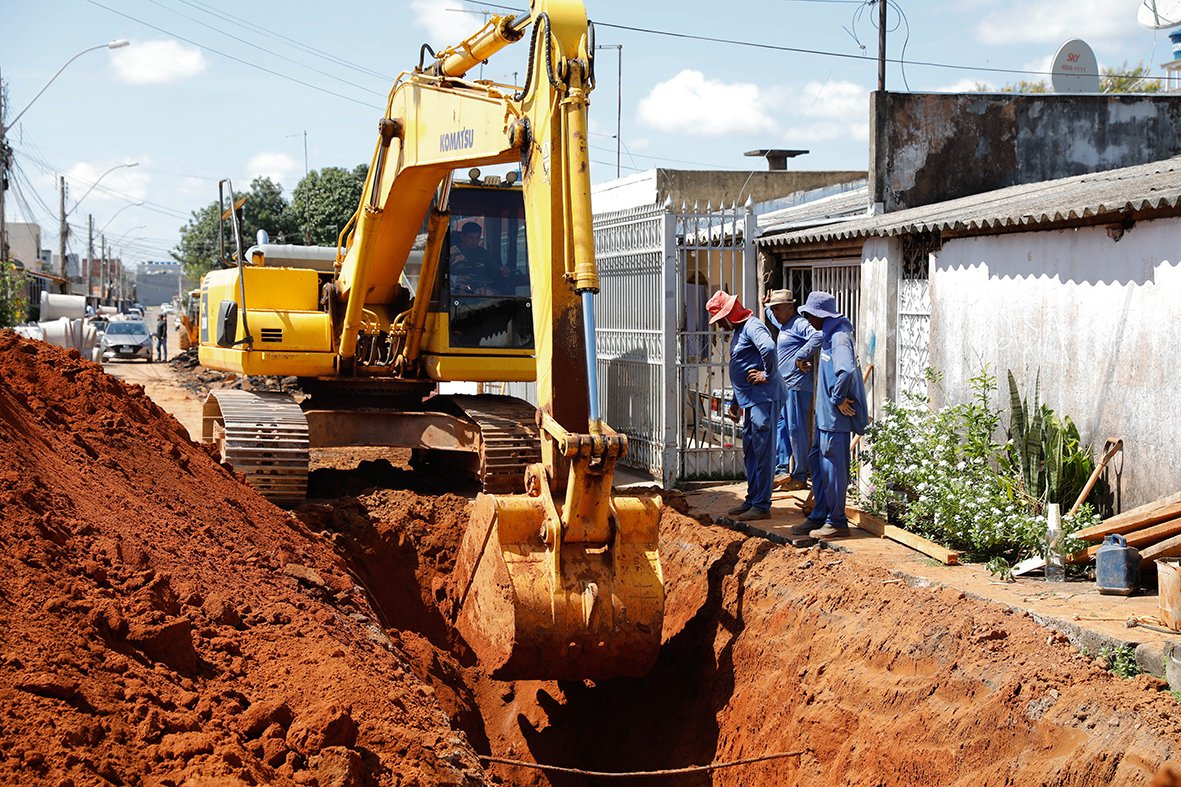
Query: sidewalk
[1089, 620]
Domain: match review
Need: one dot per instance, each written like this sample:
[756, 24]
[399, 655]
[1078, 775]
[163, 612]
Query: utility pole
[618, 102]
[5, 162]
[881, 45]
[87, 277]
[103, 285]
[63, 232]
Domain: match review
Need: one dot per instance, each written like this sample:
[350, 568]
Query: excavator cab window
[487, 270]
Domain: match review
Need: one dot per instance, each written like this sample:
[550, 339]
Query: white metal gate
[840, 277]
[662, 371]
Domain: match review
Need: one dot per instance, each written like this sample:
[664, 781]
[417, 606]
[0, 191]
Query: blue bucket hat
[820, 304]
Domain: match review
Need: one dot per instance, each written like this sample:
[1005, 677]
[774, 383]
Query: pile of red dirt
[161, 623]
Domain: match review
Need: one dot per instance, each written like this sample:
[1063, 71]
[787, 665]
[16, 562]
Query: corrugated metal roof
[1151, 186]
[826, 210]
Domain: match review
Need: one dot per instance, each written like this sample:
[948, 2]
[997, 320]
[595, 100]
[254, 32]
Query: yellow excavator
[558, 577]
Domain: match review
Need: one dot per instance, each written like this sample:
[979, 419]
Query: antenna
[1075, 68]
[1159, 14]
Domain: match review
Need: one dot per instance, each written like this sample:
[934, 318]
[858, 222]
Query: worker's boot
[738, 510]
[828, 531]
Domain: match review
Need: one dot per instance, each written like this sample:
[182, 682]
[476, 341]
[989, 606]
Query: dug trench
[160, 623]
[766, 650]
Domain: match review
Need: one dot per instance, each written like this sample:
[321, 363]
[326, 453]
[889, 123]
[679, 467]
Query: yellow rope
[634, 774]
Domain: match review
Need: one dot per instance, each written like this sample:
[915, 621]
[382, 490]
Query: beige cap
[781, 297]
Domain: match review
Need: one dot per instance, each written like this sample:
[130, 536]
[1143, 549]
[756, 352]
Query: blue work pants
[829, 459]
[793, 433]
[758, 452]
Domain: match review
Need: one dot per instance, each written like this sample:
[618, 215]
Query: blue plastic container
[1117, 567]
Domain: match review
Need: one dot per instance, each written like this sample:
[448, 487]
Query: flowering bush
[940, 473]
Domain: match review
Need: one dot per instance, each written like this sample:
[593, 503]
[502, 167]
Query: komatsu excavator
[558, 577]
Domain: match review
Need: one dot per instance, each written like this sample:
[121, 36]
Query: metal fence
[662, 371]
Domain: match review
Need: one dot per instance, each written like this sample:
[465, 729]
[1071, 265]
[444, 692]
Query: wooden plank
[1136, 538]
[1170, 547]
[1143, 516]
[879, 527]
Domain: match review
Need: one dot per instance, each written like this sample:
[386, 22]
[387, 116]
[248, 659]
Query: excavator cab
[479, 324]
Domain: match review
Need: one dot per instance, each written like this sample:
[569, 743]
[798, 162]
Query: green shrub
[941, 473]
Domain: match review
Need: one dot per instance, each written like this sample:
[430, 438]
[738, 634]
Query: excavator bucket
[534, 607]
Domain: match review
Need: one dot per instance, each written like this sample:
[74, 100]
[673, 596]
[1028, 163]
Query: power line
[796, 50]
[231, 57]
[263, 31]
[264, 49]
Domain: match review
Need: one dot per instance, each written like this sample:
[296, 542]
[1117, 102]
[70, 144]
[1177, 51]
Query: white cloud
[157, 62]
[689, 103]
[276, 166]
[1052, 22]
[444, 23]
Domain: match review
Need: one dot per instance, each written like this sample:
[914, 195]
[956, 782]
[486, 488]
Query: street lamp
[125, 207]
[5, 151]
[125, 165]
[106, 276]
[64, 232]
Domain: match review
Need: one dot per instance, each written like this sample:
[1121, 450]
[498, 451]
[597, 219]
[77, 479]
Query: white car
[167, 308]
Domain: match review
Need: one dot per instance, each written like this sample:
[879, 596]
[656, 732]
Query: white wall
[1100, 319]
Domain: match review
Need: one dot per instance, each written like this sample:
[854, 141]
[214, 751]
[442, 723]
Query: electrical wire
[254, 45]
[780, 48]
[268, 33]
[218, 52]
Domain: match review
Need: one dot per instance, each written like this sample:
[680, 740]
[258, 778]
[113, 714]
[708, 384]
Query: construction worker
[758, 390]
[796, 348]
[161, 338]
[840, 411]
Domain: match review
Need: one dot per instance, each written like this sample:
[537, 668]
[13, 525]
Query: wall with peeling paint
[930, 147]
[1100, 320]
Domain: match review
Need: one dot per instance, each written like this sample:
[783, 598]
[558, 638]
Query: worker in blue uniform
[840, 411]
[758, 390]
[796, 348]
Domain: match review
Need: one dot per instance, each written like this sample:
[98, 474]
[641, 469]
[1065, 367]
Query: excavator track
[509, 439]
[263, 436]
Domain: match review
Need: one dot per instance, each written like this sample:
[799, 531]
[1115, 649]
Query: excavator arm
[563, 581]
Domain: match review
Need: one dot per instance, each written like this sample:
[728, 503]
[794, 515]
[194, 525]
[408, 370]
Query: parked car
[167, 308]
[126, 340]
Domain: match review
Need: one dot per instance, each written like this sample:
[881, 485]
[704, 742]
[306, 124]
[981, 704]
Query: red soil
[162, 624]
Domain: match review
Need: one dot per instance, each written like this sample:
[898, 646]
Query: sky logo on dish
[457, 140]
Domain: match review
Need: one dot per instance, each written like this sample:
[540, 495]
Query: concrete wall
[930, 147]
[714, 187]
[1101, 320]
[24, 243]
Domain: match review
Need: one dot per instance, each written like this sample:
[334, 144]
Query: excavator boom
[562, 581]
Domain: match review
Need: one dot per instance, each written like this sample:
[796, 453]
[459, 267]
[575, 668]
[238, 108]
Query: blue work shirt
[798, 341]
[839, 377]
[753, 348]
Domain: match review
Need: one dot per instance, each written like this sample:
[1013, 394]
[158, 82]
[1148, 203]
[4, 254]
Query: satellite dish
[1159, 14]
[1075, 68]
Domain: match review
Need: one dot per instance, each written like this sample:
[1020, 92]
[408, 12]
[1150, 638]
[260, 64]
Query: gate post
[750, 261]
[670, 322]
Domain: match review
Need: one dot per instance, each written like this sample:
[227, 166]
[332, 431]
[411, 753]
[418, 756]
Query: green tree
[1111, 80]
[324, 201]
[13, 302]
[265, 208]
[198, 249]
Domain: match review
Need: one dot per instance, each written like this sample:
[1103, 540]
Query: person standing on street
[162, 338]
[796, 348]
[840, 411]
[758, 389]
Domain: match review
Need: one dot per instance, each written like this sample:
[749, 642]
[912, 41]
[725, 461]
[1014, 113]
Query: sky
[210, 89]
